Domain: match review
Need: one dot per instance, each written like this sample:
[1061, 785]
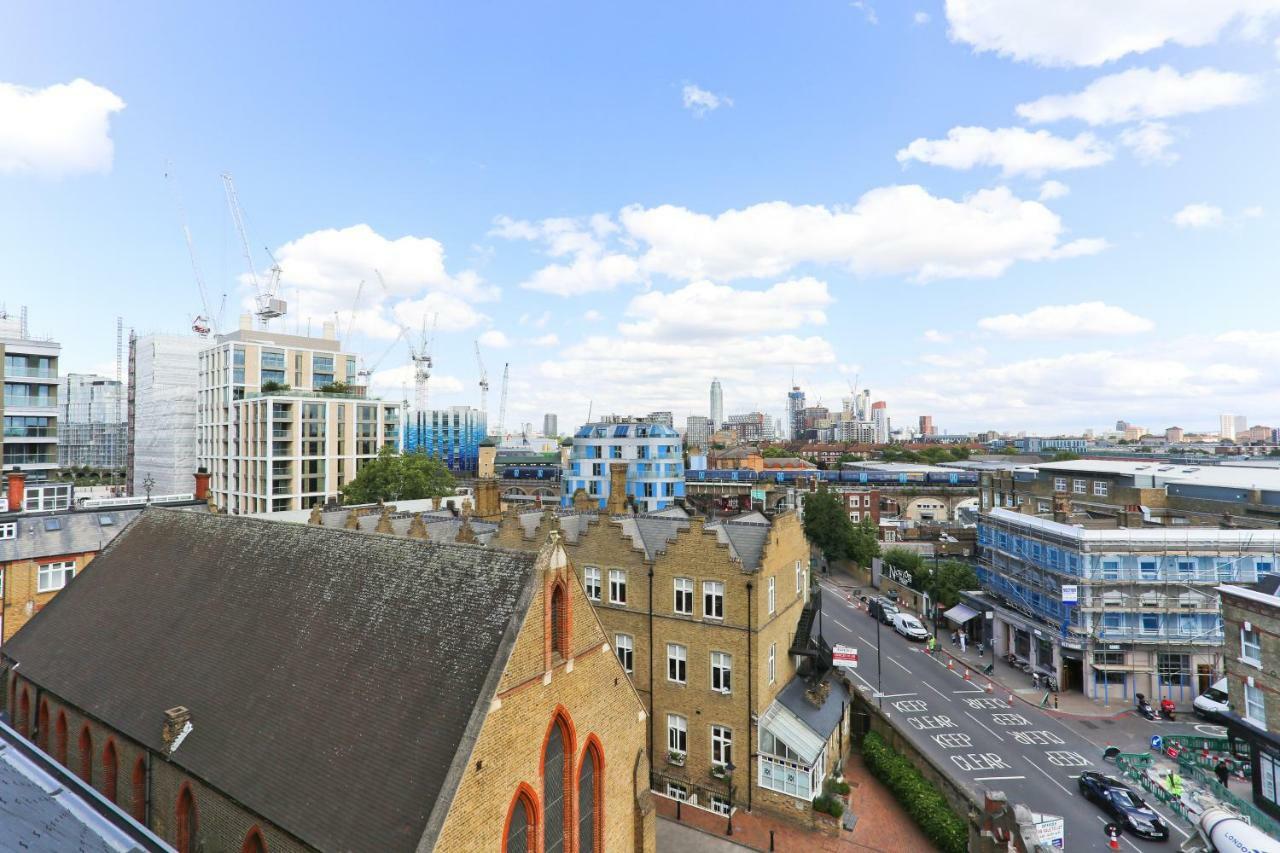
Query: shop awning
[960, 614]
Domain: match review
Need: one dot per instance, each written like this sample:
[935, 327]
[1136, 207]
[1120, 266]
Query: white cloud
[591, 268]
[1256, 343]
[1015, 150]
[1143, 94]
[1149, 142]
[1086, 319]
[700, 102]
[963, 358]
[921, 18]
[62, 129]
[494, 338]
[867, 10]
[1050, 190]
[704, 310]
[1252, 212]
[397, 383]
[933, 336]
[1198, 216]
[447, 312]
[897, 230]
[1092, 32]
[550, 339]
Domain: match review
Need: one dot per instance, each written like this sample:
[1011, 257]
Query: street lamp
[728, 779]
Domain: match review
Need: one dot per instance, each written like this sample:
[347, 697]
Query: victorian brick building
[240, 684]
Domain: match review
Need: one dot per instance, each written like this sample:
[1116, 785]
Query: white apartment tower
[717, 405]
[282, 425]
[29, 409]
[163, 379]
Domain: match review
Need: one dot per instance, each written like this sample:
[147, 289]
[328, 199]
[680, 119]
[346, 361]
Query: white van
[1212, 701]
[909, 626]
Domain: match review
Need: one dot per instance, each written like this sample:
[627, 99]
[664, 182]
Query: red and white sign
[844, 656]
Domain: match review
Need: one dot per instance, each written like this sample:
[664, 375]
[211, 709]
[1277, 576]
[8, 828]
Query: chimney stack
[17, 489]
[175, 720]
[617, 504]
[1061, 509]
[487, 502]
[202, 483]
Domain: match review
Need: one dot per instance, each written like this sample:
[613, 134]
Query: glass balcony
[30, 432]
[32, 372]
[30, 402]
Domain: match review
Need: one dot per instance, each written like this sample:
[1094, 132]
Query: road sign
[1157, 743]
[844, 656]
[757, 494]
[1051, 830]
[1070, 594]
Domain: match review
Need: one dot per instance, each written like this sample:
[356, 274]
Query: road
[984, 741]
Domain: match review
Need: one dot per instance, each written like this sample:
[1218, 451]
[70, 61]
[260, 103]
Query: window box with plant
[718, 771]
[675, 758]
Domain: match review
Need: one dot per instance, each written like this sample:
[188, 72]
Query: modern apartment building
[717, 405]
[550, 426]
[651, 452]
[697, 433]
[92, 421]
[281, 424]
[1115, 611]
[451, 435]
[161, 439]
[29, 374]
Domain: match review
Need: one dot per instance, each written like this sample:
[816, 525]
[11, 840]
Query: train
[855, 477]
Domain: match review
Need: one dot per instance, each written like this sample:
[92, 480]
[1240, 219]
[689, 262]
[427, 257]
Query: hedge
[926, 805]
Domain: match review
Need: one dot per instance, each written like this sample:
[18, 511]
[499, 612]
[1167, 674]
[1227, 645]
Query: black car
[1123, 804]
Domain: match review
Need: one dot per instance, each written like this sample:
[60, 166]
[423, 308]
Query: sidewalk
[881, 825]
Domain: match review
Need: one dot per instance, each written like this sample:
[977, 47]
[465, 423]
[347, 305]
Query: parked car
[909, 627]
[1121, 802]
[1213, 701]
[883, 609]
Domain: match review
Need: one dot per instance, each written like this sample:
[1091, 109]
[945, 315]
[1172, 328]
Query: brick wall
[21, 582]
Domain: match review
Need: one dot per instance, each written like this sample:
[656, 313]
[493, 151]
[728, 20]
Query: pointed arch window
[24, 714]
[110, 769]
[590, 799]
[521, 833]
[187, 820]
[42, 726]
[86, 754]
[60, 740]
[557, 786]
[559, 621]
[254, 842]
[139, 780]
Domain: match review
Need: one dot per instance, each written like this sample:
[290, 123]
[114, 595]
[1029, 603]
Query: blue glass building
[452, 435]
[652, 453]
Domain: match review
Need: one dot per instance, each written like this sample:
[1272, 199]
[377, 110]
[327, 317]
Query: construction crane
[351, 318]
[502, 406]
[419, 353]
[269, 306]
[484, 387]
[206, 321]
[366, 371]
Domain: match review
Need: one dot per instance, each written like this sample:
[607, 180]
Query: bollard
[678, 811]
[1055, 701]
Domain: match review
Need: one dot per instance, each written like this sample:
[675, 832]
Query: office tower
[717, 405]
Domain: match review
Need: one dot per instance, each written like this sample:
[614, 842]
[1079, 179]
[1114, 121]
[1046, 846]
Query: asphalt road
[984, 741]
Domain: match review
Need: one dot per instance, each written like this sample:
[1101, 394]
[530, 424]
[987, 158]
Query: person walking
[932, 644]
[1224, 774]
[964, 641]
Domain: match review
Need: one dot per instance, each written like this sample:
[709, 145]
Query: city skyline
[974, 211]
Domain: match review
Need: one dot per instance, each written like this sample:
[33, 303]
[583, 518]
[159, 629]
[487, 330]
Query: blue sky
[1007, 215]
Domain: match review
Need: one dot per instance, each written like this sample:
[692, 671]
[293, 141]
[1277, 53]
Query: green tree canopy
[1065, 456]
[399, 477]
[828, 526]
[943, 583]
[774, 452]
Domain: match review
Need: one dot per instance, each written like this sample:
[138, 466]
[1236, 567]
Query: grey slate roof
[746, 540]
[822, 720]
[77, 532]
[332, 676]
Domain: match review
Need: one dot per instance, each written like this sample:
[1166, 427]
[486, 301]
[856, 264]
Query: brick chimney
[202, 483]
[1061, 509]
[487, 502]
[17, 489]
[617, 504]
[175, 720]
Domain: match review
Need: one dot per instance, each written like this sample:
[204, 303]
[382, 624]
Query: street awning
[960, 614]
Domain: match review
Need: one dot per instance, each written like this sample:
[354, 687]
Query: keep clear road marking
[995, 778]
[984, 725]
[936, 690]
[1122, 837]
[904, 669]
[1050, 778]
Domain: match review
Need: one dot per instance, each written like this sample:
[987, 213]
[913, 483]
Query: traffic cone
[951, 664]
[1010, 697]
[967, 674]
[990, 687]
[1114, 844]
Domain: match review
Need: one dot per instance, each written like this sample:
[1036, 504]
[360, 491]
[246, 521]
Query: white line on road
[995, 778]
[841, 624]
[854, 673]
[1122, 838]
[1050, 778]
[936, 690]
[968, 691]
[904, 669]
[897, 695]
[984, 725]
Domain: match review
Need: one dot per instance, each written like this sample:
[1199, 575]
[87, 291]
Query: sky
[1005, 214]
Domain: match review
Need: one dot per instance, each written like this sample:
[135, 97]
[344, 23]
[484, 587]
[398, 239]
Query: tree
[828, 526]
[399, 477]
[1065, 456]
[909, 562]
[866, 542]
[774, 453]
[943, 583]
[959, 453]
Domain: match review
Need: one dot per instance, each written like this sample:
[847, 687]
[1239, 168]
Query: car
[1121, 802]
[1213, 701]
[884, 609]
[909, 627]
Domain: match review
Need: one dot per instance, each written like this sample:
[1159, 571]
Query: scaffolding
[163, 378]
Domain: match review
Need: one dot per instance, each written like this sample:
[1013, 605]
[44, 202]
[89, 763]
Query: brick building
[1251, 618]
[279, 687]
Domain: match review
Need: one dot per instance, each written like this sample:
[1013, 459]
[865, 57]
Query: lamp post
[728, 779]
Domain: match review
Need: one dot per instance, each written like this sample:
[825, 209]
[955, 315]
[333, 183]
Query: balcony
[30, 432]
[31, 459]
[32, 372]
[282, 433]
[30, 402]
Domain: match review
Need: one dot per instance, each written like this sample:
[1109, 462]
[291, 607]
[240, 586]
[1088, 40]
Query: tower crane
[484, 386]
[351, 318]
[502, 406]
[366, 371]
[268, 304]
[419, 353]
[205, 322]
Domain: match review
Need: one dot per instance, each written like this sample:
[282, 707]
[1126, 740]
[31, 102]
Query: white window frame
[721, 745]
[677, 663]
[9, 530]
[51, 577]
[617, 583]
[625, 643]
[591, 582]
[720, 805]
[1101, 488]
[773, 596]
[678, 792]
[1060, 484]
[713, 599]
[855, 516]
[1247, 649]
[682, 585]
[799, 578]
[773, 662]
[1078, 487]
[1251, 693]
[721, 672]
[677, 734]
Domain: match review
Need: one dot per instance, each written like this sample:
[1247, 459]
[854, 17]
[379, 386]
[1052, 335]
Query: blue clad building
[452, 435]
[651, 452]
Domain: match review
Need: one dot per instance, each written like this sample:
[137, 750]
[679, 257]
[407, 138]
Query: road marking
[904, 669]
[854, 673]
[995, 778]
[1050, 778]
[984, 725]
[936, 690]
[971, 691]
[896, 695]
[1123, 838]
[841, 624]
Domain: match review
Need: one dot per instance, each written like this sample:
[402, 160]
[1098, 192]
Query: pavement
[990, 739]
